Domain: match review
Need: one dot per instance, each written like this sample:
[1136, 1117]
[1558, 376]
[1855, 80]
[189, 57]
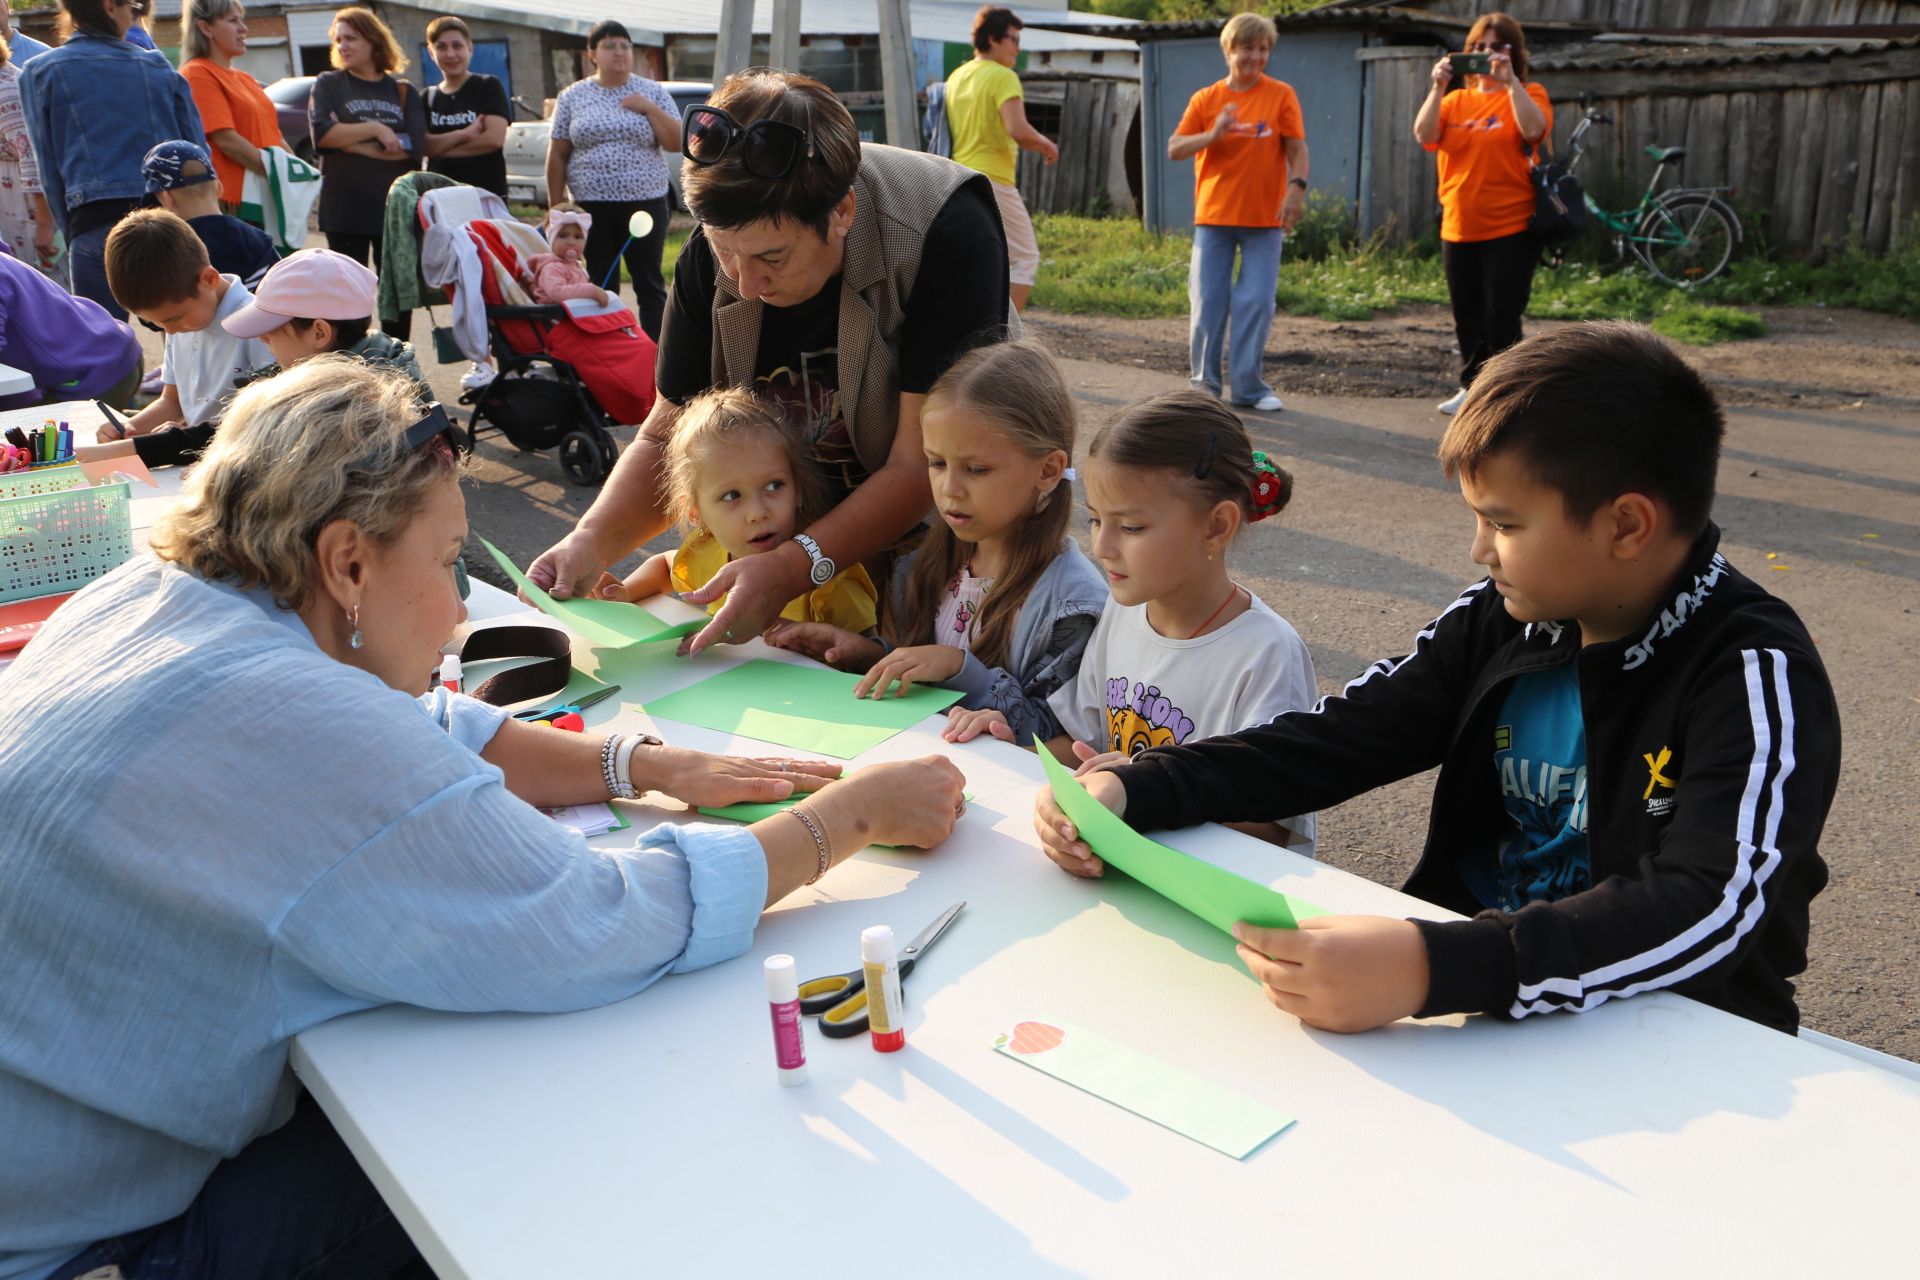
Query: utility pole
[784, 50]
[733, 44]
[896, 74]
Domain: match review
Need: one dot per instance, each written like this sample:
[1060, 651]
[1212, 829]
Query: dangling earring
[355, 640]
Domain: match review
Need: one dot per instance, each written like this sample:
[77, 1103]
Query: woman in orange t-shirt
[238, 116]
[1249, 144]
[1484, 135]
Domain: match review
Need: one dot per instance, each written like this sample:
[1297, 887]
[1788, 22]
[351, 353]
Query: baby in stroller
[558, 276]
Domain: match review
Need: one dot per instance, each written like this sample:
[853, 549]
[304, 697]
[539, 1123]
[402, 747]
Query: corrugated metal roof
[1631, 52]
[1388, 18]
[650, 21]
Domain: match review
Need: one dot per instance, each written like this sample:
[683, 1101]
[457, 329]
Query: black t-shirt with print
[480, 95]
[959, 300]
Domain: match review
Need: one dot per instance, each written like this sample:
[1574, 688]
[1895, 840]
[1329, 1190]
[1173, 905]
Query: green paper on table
[678, 629]
[1215, 894]
[608, 622]
[1190, 1105]
[807, 708]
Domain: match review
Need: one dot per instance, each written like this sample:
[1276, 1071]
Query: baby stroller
[566, 373]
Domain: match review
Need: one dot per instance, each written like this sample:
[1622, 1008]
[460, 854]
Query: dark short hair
[607, 29]
[1595, 411]
[994, 23]
[444, 23]
[89, 15]
[154, 259]
[726, 196]
[345, 332]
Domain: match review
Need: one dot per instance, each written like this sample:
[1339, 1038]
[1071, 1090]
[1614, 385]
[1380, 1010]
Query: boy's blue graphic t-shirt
[1540, 766]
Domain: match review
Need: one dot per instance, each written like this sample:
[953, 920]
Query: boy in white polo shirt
[158, 270]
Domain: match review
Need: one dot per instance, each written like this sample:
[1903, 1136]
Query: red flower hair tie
[1268, 493]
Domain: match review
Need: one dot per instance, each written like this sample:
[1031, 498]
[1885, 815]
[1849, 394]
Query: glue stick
[789, 1042]
[883, 988]
[450, 671]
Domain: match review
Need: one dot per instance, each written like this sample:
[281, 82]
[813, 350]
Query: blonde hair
[723, 421]
[1244, 29]
[1017, 392]
[387, 58]
[195, 43]
[286, 463]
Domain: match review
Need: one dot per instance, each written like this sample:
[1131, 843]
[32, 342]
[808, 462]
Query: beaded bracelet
[617, 787]
[819, 840]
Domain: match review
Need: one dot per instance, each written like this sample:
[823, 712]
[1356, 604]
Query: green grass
[1113, 266]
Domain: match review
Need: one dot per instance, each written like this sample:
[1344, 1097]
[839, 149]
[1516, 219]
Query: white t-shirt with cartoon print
[1139, 689]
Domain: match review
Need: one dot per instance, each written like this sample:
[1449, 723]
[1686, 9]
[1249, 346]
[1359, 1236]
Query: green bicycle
[1685, 236]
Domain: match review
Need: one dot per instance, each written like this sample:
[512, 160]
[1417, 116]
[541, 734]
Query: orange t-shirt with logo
[1240, 180]
[1486, 188]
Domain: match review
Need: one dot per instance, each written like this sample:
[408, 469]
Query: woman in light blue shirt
[231, 816]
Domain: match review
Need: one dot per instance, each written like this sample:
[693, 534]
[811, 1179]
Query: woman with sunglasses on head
[608, 146]
[839, 281]
[95, 106]
[1484, 132]
[297, 829]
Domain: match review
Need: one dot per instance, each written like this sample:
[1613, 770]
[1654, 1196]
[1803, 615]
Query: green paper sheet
[608, 622]
[1190, 1105]
[807, 708]
[677, 630]
[1215, 894]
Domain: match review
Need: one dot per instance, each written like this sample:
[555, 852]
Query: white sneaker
[1268, 403]
[477, 376]
[1453, 402]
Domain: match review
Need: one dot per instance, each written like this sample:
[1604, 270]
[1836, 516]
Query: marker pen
[66, 441]
[883, 988]
[789, 1042]
[450, 671]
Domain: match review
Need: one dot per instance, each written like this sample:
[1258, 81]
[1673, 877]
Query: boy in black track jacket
[1637, 745]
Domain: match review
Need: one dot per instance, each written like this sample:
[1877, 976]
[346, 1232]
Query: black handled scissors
[841, 1000]
[575, 706]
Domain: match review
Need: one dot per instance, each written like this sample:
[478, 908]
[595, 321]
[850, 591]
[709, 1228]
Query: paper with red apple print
[1191, 1106]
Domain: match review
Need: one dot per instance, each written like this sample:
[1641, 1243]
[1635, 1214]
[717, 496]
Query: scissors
[566, 715]
[841, 1000]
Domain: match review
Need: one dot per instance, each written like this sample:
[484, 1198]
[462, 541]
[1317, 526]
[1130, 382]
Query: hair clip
[1205, 465]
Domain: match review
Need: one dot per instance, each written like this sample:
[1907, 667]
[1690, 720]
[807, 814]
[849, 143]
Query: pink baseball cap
[313, 284]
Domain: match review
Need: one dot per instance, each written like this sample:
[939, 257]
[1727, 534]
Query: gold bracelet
[819, 840]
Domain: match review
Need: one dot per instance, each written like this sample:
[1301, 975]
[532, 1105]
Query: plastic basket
[51, 478]
[62, 541]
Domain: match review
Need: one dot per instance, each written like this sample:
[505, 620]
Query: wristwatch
[823, 568]
[1297, 182]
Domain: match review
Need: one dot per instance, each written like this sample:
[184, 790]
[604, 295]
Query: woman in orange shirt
[237, 114]
[1484, 135]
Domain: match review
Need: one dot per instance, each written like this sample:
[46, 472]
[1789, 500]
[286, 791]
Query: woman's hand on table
[1340, 973]
[926, 663]
[1058, 837]
[824, 642]
[703, 780]
[907, 802]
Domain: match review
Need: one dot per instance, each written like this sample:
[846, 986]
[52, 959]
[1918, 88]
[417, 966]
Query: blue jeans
[87, 266]
[1215, 298]
[292, 1204]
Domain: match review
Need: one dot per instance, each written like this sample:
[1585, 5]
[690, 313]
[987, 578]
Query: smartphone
[1471, 64]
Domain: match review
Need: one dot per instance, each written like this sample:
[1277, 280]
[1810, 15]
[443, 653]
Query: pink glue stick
[789, 1044]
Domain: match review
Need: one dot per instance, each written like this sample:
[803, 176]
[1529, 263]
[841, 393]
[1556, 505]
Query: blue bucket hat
[172, 165]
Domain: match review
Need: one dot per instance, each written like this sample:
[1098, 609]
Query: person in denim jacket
[94, 107]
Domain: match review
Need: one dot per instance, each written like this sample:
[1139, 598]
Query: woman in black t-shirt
[370, 127]
[467, 113]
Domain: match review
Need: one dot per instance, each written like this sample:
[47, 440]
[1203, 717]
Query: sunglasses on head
[433, 426]
[768, 148]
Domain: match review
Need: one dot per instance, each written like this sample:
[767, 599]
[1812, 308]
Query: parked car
[289, 97]
[526, 149]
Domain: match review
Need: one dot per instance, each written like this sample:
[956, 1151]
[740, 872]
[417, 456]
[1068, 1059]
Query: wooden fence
[1095, 121]
[1821, 150]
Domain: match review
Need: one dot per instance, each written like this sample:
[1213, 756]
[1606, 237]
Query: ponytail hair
[1203, 442]
[1017, 391]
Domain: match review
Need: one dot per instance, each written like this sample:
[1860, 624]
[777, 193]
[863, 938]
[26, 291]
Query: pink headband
[558, 218]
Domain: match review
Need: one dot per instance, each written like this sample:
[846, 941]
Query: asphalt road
[1819, 505]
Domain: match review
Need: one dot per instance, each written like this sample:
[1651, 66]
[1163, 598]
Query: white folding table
[1655, 1136]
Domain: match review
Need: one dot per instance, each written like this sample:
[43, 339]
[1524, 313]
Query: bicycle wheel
[1688, 238]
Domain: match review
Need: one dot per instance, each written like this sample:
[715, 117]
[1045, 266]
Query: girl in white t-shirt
[1182, 651]
[997, 601]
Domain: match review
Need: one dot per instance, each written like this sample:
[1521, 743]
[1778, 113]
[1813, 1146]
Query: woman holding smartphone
[1484, 134]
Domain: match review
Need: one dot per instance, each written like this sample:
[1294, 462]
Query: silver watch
[823, 568]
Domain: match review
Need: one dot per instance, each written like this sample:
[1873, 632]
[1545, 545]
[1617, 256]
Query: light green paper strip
[1216, 895]
[1190, 1105]
[807, 708]
[677, 630]
[608, 622]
